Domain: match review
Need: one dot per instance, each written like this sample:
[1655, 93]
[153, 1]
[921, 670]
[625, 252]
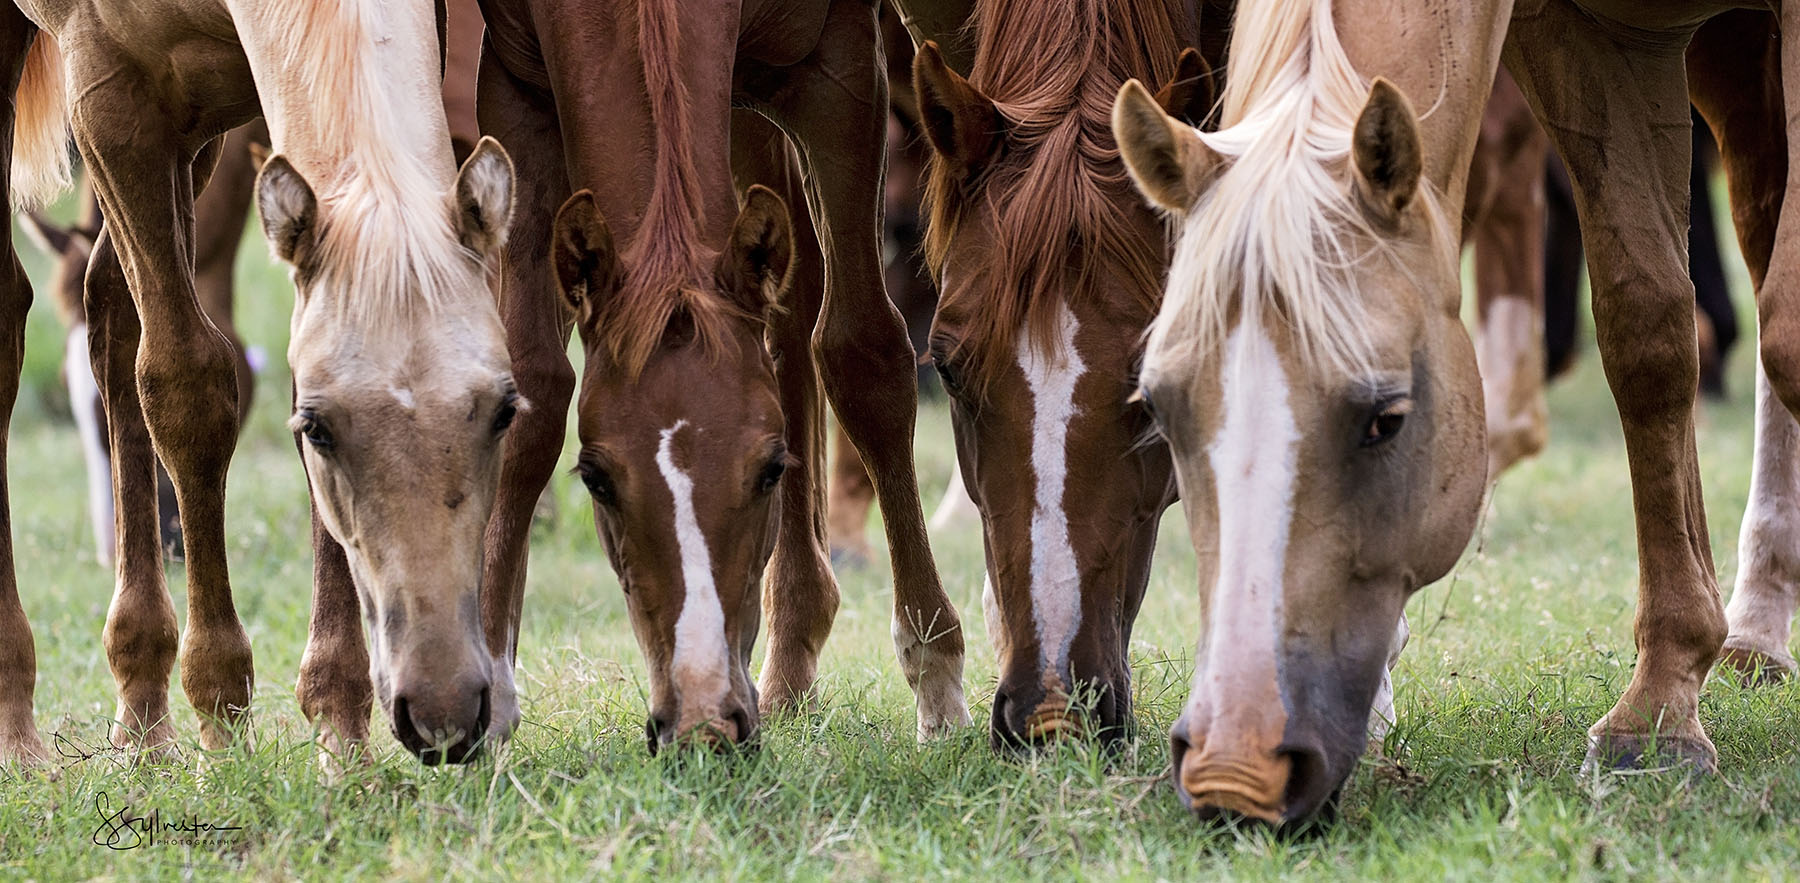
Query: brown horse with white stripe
[402, 382]
[1317, 386]
[701, 420]
[1051, 267]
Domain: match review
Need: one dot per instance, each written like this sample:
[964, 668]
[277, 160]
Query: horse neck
[618, 148]
[1447, 70]
[351, 87]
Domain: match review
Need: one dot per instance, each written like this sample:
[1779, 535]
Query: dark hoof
[1756, 668]
[1612, 752]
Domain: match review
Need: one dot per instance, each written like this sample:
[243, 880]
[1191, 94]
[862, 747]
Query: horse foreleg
[835, 102]
[537, 336]
[1634, 221]
[19, 740]
[334, 689]
[186, 383]
[141, 632]
[800, 594]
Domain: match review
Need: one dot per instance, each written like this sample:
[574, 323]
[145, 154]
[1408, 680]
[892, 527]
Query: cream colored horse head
[403, 393]
[1319, 395]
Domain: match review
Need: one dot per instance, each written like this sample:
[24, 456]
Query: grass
[1511, 658]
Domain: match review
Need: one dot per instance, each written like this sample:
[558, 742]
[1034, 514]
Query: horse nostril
[1178, 749]
[740, 722]
[1309, 783]
[408, 733]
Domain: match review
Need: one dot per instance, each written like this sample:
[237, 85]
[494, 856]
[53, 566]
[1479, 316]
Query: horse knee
[189, 392]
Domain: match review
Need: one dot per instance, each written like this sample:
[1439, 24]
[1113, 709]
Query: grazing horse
[1051, 267]
[402, 383]
[700, 419]
[219, 213]
[1319, 393]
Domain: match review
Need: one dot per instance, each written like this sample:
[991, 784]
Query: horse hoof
[1648, 752]
[1756, 668]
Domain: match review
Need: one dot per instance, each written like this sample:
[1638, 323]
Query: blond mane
[1279, 233]
[388, 244]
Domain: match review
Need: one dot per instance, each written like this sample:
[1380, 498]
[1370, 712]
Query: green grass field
[1511, 658]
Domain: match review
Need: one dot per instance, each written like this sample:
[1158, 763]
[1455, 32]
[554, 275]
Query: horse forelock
[1278, 233]
[1059, 199]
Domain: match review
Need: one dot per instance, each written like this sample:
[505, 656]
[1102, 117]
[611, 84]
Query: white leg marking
[699, 668]
[1768, 583]
[1253, 460]
[1055, 576]
[84, 400]
[1381, 717]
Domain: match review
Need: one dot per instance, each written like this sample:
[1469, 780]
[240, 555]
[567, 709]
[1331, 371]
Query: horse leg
[334, 689]
[835, 103]
[1509, 257]
[1634, 221]
[186, 382]
[219, 214]
[1778, 299]
[19, 740]
[1734, 73]
[537, 336]
[800, 596]
[140, 634]
[852, 493]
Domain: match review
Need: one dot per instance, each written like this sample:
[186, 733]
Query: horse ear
[962, 124]
[1387, 152]
[581, 250]
[52, 238]
[1166, 157]
[1189, 95]
[484, 198]
[289, 211]
[758, 262]
[259, 154]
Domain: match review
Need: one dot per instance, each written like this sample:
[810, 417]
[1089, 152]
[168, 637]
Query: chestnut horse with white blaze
[1319, 390]
[402, 381]
[700, 415]
[1051, 267]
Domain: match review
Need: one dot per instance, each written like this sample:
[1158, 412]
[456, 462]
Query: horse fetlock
[218, 676]
[931, 657]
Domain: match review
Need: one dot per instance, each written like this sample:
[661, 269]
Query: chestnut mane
[1060, 202]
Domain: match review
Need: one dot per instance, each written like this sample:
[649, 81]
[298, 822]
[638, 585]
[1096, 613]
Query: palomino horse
[402, 383]
[1051, 268]
[219, 213]
[1319, 392]
[689, 422]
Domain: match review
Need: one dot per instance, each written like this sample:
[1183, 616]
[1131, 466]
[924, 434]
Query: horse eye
[1386, 423]
[599, 484]
[948, 374]
[509, 409]
[314, 431]
[771, 474]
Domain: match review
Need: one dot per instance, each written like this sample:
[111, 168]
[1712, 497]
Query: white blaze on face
[699, 665]
[1253, 460]
[1055, 577]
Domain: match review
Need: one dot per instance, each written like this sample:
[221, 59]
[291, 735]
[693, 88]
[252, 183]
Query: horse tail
[40, 159]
